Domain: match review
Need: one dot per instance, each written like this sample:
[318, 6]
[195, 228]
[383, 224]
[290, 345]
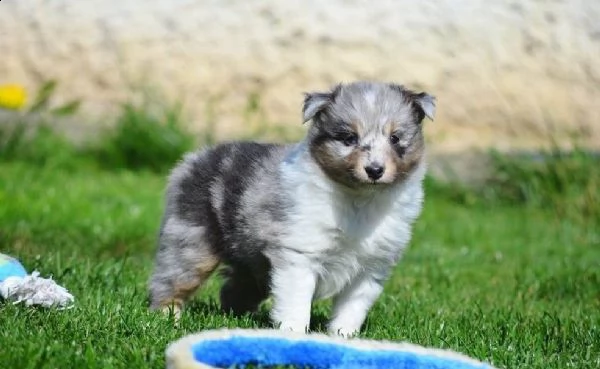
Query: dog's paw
[171, 309]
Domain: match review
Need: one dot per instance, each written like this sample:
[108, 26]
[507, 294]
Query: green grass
[508, 273]
[516, 285]
[146, 135]
[149, 135]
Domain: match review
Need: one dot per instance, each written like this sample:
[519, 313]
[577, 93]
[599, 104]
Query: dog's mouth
[361, 181]
[374, 182]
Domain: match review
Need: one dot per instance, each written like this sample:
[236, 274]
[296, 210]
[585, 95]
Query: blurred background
[134, 84]
[507, 74]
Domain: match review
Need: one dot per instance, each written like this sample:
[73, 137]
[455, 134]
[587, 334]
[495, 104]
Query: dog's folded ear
[425, 103]
[422, 102]
[315, 102]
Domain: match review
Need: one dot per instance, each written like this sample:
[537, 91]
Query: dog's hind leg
[184, 261]
[242, 292]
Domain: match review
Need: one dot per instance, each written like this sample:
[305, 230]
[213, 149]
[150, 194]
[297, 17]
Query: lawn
[515, 285]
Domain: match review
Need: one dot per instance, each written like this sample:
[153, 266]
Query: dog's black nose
[374, 171]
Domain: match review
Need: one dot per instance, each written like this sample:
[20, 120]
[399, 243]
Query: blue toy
[238, 348]
[10, 267]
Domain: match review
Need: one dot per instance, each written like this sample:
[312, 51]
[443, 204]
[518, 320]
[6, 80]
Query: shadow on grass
[259, 319]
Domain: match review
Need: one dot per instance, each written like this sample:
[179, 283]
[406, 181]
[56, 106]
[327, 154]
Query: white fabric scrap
[35, 290]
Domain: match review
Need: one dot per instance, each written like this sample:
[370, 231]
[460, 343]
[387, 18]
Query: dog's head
[367, 133]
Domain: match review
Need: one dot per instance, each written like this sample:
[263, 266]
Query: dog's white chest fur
[347, 235]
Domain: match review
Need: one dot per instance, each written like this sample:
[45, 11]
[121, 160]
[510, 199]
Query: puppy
[327, 217]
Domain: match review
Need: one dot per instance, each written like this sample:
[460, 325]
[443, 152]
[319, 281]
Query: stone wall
[507, 74]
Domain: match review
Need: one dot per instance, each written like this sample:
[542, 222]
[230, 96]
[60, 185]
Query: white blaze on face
[379, 149]
[374, 149]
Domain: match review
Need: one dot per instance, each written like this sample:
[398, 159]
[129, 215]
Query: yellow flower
[12, 96]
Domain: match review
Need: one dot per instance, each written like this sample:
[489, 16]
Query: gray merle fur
[228, 204]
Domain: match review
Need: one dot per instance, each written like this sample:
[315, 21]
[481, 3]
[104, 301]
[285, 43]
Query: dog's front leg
[351, 306]
[292, 286]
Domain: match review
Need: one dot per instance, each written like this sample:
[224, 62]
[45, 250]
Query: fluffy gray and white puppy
[326, 217]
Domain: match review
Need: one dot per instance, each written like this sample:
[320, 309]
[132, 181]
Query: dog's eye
[394, 139]
[350, 139]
